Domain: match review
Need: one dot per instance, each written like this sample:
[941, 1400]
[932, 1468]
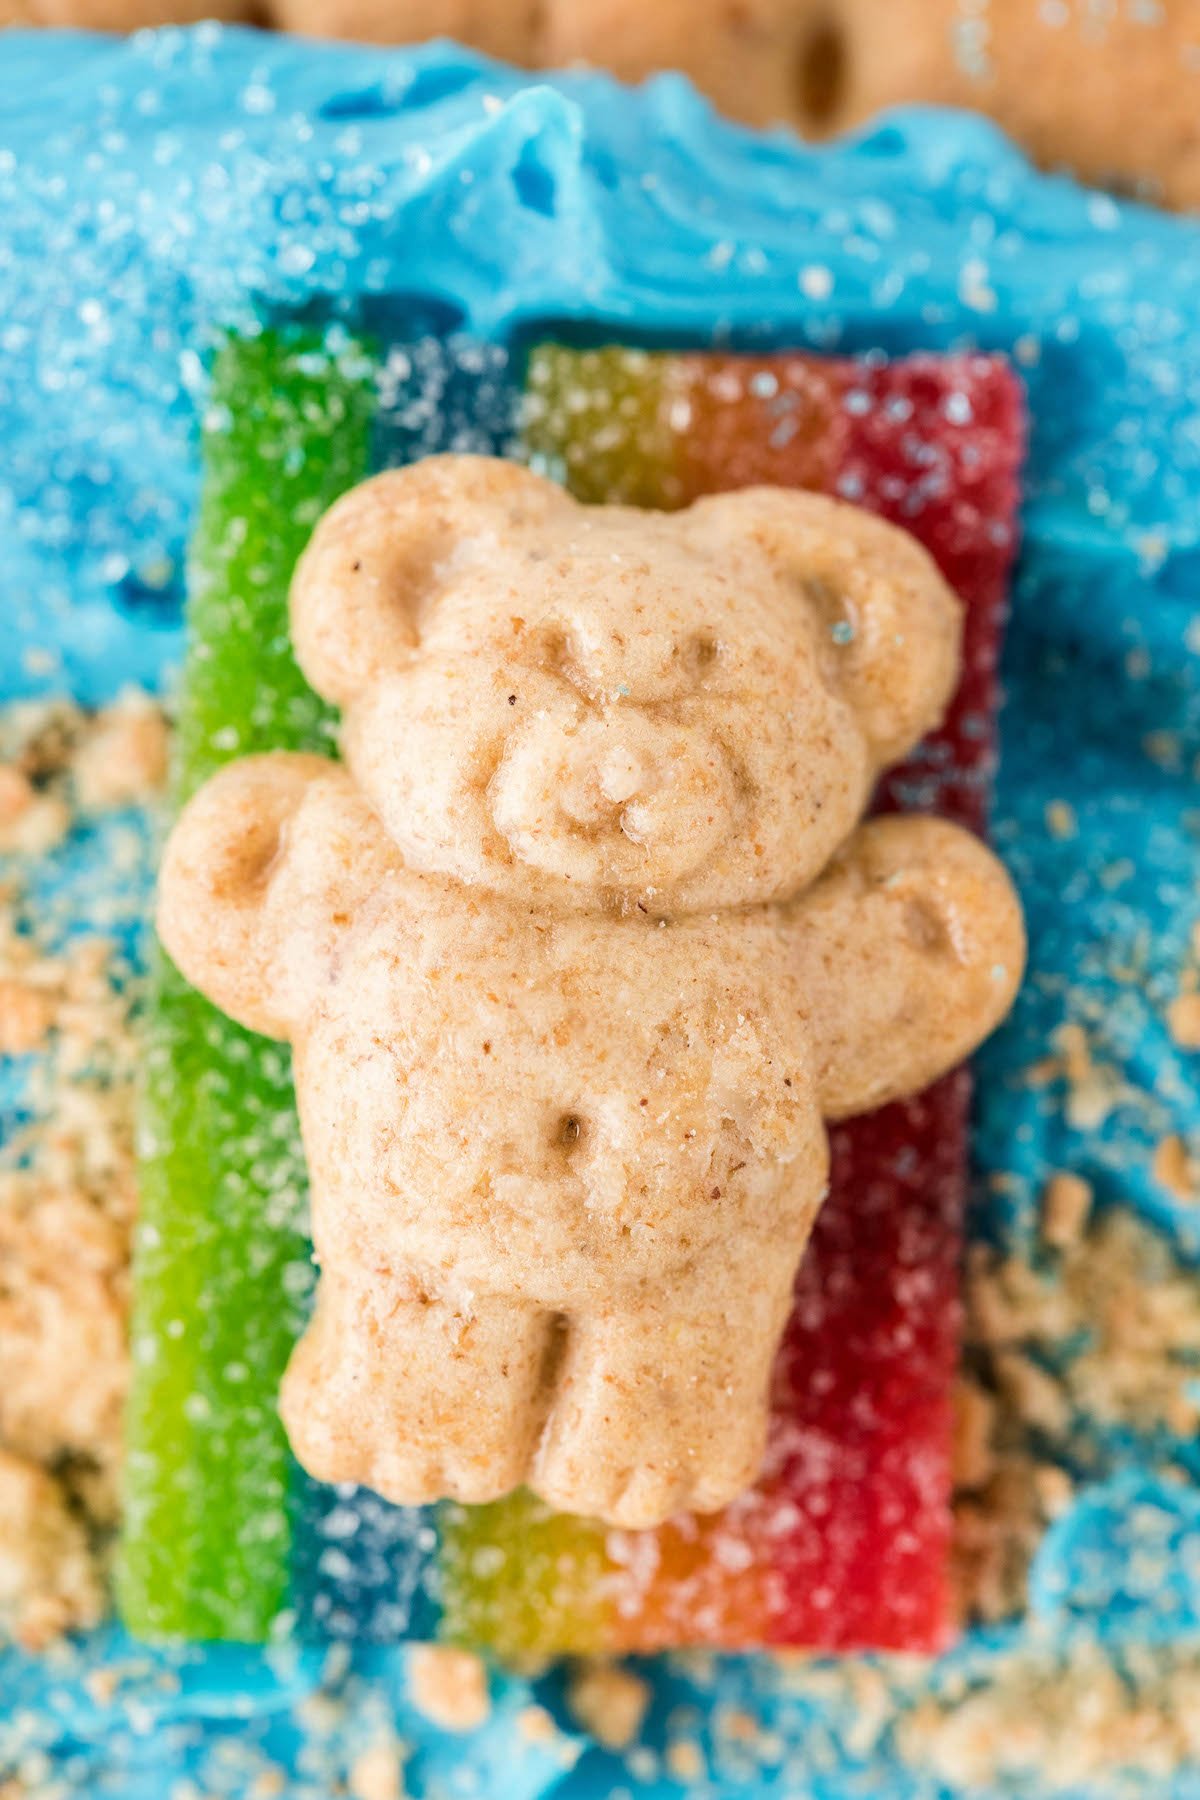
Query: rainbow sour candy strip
[222, 1264]
[843, 1544]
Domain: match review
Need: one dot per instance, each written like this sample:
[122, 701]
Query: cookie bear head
[607, 708]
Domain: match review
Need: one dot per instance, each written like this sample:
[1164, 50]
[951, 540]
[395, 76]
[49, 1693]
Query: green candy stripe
[222, 1271]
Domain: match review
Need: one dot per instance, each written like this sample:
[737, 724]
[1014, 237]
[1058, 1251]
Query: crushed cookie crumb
[16, 794]
[1183, 1020]
[1106, 1334]
[377, 1773]
[1066, 1726]
[26, 1015]
[997, 1530]
[1093, 1088]
[1174, 1168]
[67, 1192]
[268, 1784]
[684, 1760]
[1054, 1489]
[1066, 1206]
[36, 828]
[974, 1424]
[101, 1685]
[1032, 1392]
[48, 1578]
[123, 759]
[449, 1687]
[609, 1702]
[1061, 822]
[536, 1725]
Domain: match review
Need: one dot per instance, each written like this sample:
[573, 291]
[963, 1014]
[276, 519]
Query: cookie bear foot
[647, 1425]
[413, 1396]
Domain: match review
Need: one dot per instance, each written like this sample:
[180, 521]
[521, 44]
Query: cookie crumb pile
[1099, 1331]
[609, 1701]
[67, 988]
[449, 1687]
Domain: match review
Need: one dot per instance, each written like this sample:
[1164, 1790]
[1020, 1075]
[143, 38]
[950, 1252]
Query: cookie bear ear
[379, 560]
[893, 626]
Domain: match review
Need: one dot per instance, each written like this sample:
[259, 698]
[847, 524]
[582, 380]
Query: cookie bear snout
[616, 798]
[605, 782]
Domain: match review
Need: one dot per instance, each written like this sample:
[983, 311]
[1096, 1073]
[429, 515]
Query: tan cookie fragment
[1111, 92]
[124, 15]
[507, 30]
[48, 1581]
[62, 1326]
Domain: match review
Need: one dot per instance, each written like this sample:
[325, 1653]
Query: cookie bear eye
[569, 1131]
[831, 607]
[700, 653]
[560, 656]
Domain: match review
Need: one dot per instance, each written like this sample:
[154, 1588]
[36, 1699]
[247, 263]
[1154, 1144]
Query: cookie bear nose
[598, 787]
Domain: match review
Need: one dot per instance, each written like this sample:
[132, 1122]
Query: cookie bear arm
[218, 888]
[907, 952]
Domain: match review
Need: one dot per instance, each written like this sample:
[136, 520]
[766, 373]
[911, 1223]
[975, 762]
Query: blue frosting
[153, 190]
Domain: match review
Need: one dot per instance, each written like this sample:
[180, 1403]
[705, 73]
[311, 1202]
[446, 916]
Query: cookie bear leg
[412, 1396]
[648, 1421]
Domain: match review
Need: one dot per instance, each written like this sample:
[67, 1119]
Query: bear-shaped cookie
[578, 950]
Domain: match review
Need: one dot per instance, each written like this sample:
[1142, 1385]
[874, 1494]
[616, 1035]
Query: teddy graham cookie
[577, 950]
[1111, 92]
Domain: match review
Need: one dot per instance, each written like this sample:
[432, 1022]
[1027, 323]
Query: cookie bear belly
[564, 1111]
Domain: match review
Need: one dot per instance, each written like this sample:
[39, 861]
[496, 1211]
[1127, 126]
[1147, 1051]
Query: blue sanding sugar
[155, 192]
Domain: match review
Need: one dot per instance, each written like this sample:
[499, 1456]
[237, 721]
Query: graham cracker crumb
[1032, 1392]
[377, 1772]
[1062, 1726]
[738, 1725]
[67, 1196]
[1174, 1168]
[449, 1687]
[123, 759]
[1183, 1021]
[1107, 1333]
[48, 1578]
[997, 1529]
[1060, 820]
[684, 1760]
[1066, 1204]
[1093, 1088]
[16, 794]
[268, 1784]
[320, 1713]
[101, 1685]
[609, 1702]
[974, 1424]
[536, 1726]
[1054, 1489]
[36, 828]
[26, 1015]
